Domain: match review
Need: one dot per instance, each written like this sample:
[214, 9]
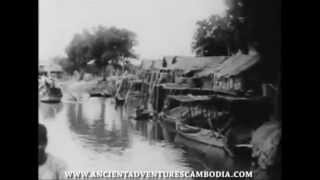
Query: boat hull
[200, 147]
[100, 95]
[51, 95]
[203, 138]
[51, 99]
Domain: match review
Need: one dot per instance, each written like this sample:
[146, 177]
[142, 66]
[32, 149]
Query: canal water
[94, 135]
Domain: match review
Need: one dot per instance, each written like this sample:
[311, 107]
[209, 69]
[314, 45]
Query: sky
[163, 27]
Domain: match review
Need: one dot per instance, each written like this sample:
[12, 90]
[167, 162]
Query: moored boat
[203, 137]
[193, 119]
[105, 95]
[99, 93]
[142, 114]
[51, 95]
[188, 129]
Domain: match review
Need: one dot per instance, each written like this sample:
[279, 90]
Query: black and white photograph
[159, 89]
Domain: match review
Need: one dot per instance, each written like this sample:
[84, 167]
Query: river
[94, 135]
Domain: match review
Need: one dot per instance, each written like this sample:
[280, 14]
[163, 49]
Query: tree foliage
[66, 65]
[214, 36]
[104, 45]
[258, 24]
[112, 45]
[79, 49]
[247, 23]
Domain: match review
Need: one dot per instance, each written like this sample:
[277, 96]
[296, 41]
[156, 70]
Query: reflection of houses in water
[149, 129]
[92, 110]
[49, 111]
[99, 124]
[77, 125]
[112, 119]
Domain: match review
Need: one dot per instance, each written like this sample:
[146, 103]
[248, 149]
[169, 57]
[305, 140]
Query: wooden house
[233, 75]
[51, 70]
[238, 74]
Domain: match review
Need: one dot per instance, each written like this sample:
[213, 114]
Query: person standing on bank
[49, 166]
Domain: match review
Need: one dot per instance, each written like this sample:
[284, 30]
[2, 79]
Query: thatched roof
[49, 68]
[152, 64]
[193, 63]
[237, 64]
[211, 67]
[183, 63]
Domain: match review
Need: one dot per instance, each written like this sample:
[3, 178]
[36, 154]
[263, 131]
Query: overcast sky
[163, 27]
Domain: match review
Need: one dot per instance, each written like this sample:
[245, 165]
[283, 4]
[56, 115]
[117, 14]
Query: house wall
[228, 84]
[207, 83]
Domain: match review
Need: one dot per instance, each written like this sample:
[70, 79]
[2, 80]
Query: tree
[214, 36]
[258, 24]
[107, 46]
[79, 51]
[113, 46]
[262, 30]
[247, 23]
[66, 65]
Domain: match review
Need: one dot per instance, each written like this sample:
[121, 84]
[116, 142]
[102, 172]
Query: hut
[238, 74]
[188, 66]
[42, 70]
[55, 71]
[234, 75]
[52, 70]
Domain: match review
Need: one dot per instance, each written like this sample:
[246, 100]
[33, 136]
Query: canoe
[201, 135]
[204, 138]
[174, 116]
[100, 95]
[208, 150]
[169, 125]
[50, 100]
[189, 129]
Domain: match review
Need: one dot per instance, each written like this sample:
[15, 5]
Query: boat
[99, 93]
[51, 95]
[201, 137]
[142, 115]
[208, 150]
[103, 89]
[188, 129]
[172, 116]
[186, 118]
[104, 95]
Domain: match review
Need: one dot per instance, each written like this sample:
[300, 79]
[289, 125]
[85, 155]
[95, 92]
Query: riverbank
[75, 90]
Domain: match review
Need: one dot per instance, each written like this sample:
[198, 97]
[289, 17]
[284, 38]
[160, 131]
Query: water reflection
[94, 136]
[48, 111]
[99, 125]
